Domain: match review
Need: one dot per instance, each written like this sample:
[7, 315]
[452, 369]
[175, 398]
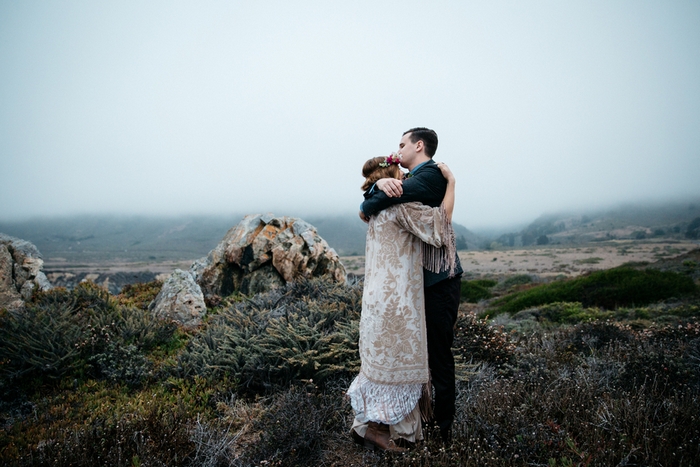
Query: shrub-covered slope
[90, 379]
[610, 289]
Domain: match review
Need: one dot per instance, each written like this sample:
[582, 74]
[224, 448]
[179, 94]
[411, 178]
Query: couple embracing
[410, 298]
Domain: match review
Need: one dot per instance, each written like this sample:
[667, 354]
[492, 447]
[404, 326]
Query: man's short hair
[428, 136]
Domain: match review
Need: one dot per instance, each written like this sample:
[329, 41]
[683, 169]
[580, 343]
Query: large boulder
[21, 272]
[180, 299]
[263, 252]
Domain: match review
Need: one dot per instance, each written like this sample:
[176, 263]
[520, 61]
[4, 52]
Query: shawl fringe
[442, 259]
[426, 403]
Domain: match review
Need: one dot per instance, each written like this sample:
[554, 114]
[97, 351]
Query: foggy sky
[273, 106]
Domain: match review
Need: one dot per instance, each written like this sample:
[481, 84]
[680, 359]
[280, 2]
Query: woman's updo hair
[372, 171]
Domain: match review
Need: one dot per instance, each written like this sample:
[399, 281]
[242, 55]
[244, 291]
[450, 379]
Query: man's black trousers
[441, 305]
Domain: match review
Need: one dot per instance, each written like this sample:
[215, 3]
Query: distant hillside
[127, 238]
[347, 234]
[96, 239]
[134, 238]
[670, 220]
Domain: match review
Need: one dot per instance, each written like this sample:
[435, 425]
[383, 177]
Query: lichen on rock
[263, 252]
[180, 300]
[21, 272]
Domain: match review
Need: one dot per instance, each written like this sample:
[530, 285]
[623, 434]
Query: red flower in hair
[392, 158]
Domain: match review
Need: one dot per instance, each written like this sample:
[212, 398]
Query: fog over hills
[100, 239]
[628, 221]
[151, 239]
[219, 107]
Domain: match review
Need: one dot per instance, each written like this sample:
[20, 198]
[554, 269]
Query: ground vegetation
[88, 378]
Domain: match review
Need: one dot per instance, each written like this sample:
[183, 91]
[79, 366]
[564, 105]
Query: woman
[392, 391]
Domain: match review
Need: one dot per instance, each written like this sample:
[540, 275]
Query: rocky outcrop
[20, 272]
[180, 299]
[263, 252]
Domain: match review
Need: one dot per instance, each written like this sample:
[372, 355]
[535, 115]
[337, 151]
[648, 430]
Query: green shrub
[588, 337]
[40, 343]
[476, 290]
[512, 281]
[593, 260]
[94, 424]
[120, 363]
[571, 313]
[569, 401]
[294, 429]
[82, 333]
[305, 330]
[486, 283]
[593, 393]
[608, 289]
[477, 340]
[139, 295]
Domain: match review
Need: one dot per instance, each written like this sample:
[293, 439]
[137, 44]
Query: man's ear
[420, 145]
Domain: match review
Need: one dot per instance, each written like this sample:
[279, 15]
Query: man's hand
[391, 187]
[364, 218]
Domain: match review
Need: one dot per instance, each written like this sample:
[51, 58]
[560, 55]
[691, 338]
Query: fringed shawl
[394, 376]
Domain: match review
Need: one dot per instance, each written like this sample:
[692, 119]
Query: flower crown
[392, 158]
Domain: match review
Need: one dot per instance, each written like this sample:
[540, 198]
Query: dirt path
[115, 267]
[556, 260]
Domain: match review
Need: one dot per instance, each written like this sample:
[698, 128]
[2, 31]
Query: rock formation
[20, 272]
[263, 252]
[180, 299]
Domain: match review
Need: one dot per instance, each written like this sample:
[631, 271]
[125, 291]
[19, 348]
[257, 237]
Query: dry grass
[556, 260]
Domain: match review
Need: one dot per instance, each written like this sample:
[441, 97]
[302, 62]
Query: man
[425, 183]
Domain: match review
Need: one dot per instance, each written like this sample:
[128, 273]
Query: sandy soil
[57, 264]
[556, 260]
[551, 260]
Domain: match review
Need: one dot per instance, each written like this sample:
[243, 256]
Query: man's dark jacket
[426, 185]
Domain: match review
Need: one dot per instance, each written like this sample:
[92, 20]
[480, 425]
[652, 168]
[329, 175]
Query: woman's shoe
[356, 437]
[361, 441]
[378, 438]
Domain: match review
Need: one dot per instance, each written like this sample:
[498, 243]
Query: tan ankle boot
[378, 436]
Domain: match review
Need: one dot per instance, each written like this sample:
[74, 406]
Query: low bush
[294, 429]
[514, 281]
[158, 437]
[593, 260]
[597, 392]
[570, 313]
[476, 290]
[566, 406]
[306, 330]
[120, 363]
[139, 295]
[612, 288]
[97, 423]
[479, 341]
[79, 333]
[588, 338]
[43, 341]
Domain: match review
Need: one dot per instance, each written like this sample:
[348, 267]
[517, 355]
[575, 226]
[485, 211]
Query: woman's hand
[449, 200]
[392, 187]
[446, 172]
